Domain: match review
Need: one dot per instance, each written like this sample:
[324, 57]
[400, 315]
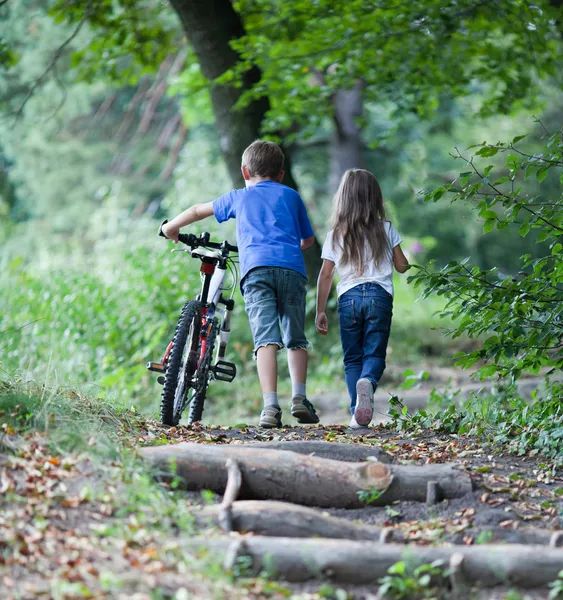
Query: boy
[272, 230]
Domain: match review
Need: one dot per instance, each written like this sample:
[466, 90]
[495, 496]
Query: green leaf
[518, 138]
[489, 225]
[556, 249]
[512, 162]
[487, 151]
[524, 229]
[488, 371]
[488, 214]
[542, 174]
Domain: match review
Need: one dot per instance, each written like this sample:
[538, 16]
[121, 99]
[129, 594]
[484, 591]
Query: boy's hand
[170, 232]
[321, 323]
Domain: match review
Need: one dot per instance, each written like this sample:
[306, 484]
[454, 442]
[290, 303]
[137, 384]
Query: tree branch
[523, 205]
[52, 65]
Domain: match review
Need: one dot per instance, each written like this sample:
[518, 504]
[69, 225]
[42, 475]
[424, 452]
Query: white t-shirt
[383, 275]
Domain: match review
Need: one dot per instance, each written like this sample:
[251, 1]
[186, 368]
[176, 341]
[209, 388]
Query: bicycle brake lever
[160, 232]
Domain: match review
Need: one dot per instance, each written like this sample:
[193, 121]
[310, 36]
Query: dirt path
[72, 527]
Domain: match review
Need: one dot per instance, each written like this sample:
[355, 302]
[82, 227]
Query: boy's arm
[189, 216]
[307, 243]
[306, 230]
[324, 283]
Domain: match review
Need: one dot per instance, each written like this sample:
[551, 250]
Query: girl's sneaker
[354, 424]
[364, 402]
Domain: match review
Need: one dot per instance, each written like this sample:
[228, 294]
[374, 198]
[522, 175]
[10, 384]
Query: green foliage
[128, 38]
[88, 327]
[556, 588]
[520, 315]
[330, 593]
[406, 581]
[501, 416]
[307, 50]
[369, 496]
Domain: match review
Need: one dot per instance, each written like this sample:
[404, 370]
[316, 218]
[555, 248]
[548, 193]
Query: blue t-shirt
[271, 222]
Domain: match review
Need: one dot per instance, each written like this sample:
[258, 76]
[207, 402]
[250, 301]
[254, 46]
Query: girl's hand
[321, 323]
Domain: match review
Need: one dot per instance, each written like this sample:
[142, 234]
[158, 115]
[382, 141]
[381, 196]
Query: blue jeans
[274, 296]
[364, 313]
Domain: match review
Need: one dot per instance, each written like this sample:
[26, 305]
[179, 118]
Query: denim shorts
[274, 296]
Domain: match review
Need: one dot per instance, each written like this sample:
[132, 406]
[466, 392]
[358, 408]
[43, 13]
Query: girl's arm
[197, 212]
[399, 259]
[324, 283]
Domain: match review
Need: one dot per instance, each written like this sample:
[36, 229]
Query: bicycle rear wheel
[181, 364]
[198, 394]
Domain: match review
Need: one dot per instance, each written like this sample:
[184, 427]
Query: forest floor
[80, 520]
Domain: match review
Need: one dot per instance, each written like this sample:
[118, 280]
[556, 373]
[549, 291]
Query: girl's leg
[377, 325]
[351, 335]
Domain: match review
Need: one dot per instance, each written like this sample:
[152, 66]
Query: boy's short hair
[263, 159]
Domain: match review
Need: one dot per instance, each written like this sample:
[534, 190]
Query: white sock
[299, 389]
[271, 399]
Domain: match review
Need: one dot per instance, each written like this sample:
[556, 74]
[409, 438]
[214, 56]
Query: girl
[363, 246]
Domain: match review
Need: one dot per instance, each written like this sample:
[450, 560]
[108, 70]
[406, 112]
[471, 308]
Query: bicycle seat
[206, 253]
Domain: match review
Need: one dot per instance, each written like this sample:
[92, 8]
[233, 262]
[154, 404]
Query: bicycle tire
[186, 334]
[199, 393]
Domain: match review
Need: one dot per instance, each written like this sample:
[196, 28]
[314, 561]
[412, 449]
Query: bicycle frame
[214, 271]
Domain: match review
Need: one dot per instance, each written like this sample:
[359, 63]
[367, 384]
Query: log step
[304, 479]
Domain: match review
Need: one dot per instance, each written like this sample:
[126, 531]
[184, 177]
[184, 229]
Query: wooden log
[282, 519]
[332, 450]
[232, 489]
[307, 480]
[363, 563]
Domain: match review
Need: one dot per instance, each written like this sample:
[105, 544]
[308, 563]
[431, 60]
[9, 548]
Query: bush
[521, 315]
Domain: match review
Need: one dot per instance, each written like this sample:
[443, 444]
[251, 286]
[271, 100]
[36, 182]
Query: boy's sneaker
[364, 402]
[270, 417]
[303, 410]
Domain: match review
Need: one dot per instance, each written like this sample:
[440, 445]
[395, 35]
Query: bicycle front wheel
[181, 364]
[198, 394]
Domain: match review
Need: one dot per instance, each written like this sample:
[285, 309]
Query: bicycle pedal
[156, 367]
[224, 371]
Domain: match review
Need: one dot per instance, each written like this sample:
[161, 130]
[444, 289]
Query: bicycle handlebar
[195, 241]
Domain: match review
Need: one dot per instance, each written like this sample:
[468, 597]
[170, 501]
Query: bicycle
[187, 366]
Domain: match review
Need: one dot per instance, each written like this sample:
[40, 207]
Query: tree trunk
[346, 149]
[364, 563]
[307, 480]
[283, 519]
[210, 27]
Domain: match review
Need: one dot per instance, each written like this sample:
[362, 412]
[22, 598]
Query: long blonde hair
[358, 220]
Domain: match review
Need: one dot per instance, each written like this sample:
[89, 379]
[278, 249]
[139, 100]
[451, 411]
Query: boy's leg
[301, 408]
[297, 360]
[260, 300]
[292, 312]
[267, 364]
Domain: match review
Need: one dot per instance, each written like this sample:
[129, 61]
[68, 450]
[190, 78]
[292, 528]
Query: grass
[93, 523]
